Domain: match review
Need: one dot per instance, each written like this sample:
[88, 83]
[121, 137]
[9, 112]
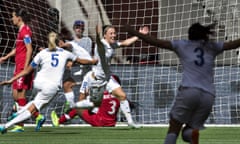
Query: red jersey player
[23, 55]
[106, 115]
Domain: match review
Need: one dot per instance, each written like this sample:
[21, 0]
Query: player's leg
[21, 101]
[190, 135]
[173, 131]
[191, 131]
[22, 115]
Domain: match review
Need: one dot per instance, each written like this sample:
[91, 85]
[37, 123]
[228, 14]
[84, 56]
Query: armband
[27, 40]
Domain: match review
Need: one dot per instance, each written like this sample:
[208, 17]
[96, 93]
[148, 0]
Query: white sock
[67, 116]
[84, 104]
[21, 117]
[124, 105]
[70, 98]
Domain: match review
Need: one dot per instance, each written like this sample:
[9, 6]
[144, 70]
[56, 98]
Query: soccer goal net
[150, 76]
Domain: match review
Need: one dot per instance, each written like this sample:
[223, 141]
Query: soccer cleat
[17, 128]
[39, 122]
[12, 116]
[55, 119]
[134, 126]
[3, 130]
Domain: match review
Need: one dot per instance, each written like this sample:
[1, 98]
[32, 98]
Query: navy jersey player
[196, 93]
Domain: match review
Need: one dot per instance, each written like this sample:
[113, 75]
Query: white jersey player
[47, 81]
[100, 74]
[196, 93]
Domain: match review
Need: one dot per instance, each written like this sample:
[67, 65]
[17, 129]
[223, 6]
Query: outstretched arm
[150, 39]
[22, 73]
[86, 61]
[231, 44]
[131, 40]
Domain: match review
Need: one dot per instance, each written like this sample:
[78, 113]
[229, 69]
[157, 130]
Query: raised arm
[231, 44]
[129, 41]
[149, 39]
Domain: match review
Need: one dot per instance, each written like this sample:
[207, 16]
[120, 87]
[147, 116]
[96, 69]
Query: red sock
[66, 117]
[72, 113]
[35, 115]
[62, 119]
[22, 101]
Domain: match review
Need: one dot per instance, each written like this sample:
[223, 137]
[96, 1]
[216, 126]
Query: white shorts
[46, 92]
[90, 81]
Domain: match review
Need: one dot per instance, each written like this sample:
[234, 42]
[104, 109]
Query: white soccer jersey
[198, 60]
[109, 53]
[52, 64]
[79, 51]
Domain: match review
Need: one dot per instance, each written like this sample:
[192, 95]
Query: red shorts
[25, 82]
[96, 120]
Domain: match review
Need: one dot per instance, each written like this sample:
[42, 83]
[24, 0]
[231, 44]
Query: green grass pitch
[114, 135]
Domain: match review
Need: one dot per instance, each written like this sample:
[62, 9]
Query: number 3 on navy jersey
[199, 54]
[55, 60]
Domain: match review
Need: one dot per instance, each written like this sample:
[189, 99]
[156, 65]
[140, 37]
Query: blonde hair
[52, 41]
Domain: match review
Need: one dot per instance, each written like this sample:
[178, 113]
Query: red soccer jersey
[107, 113]
[24, 35]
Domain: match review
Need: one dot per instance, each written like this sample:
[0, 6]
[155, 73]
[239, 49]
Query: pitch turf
[113, 135]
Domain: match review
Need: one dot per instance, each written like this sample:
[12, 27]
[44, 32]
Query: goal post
[150, 75]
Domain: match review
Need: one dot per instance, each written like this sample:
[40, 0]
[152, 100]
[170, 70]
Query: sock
[35, 115]
[171, 138]
[70, 98]
[21, 117]
[72, 113]
[63, 118]
[22, 102]
[124, 105]
[84, 104]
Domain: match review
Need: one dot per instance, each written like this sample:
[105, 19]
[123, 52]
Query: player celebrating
[196, 93]
[23, 55]
[47, 81]
[101, 75]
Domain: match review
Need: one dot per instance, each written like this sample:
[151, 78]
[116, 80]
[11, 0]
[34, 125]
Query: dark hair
[20, 12]
[199, 32]
[105, 28]
[117, 79]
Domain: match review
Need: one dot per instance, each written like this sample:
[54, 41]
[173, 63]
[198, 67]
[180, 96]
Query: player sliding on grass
[47, 81]
[196, 93]
[105, 116]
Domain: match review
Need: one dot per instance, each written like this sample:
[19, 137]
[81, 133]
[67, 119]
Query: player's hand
[2, 59]
[94, 61]
[5, 82]
[144, 30]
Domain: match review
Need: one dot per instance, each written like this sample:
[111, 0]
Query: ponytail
[52, 41]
